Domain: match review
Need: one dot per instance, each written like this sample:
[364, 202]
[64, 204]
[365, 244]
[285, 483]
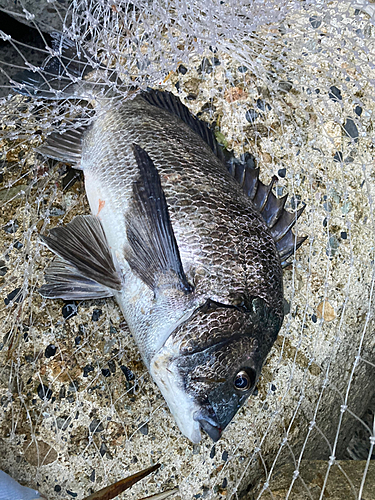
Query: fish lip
[209, 424]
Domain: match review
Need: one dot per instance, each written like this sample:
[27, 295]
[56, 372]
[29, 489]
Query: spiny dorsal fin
[153, 252]
[271, 208]
[83, 244]
[168, 101]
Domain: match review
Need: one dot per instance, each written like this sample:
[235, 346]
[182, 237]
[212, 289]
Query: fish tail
[62, 75]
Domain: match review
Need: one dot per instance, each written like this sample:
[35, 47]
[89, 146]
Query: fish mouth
[209, 424]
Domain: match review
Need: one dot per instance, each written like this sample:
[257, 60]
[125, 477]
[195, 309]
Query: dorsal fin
[169, 102]
[271, 208]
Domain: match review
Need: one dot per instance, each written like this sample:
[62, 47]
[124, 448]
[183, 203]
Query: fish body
[226, 252]
[189, 250]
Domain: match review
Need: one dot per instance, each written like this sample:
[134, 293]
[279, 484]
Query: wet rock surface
[89, 402]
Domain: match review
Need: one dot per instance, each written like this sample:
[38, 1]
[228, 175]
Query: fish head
[211, 363]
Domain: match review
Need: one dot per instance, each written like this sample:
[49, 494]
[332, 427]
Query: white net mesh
[291, 83]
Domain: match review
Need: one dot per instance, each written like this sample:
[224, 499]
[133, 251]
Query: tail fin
[62, 75]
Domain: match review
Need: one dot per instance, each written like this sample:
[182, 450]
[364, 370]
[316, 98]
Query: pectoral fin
[153, 252]
[85, 269]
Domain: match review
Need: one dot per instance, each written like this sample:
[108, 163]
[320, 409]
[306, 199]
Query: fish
[190, 244]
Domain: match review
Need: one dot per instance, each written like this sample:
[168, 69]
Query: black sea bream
[191, 249]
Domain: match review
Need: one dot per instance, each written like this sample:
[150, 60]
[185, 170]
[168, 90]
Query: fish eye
[245, 379]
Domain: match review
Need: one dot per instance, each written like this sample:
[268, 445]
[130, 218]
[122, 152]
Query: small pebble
[57, 488]
[96, 426]
[144, 429]
[11, 227]
[333, 245]
[251, 115]
[335, 93]
[263, 105]
[282, 172]
[87, 369]
[50, 351]
[92, 476]
[295, 201]
[215, 61]
[63, 422]
[325, 311]
[314, 319]
[182, 69]
[69, 310]
[15, 294]
[285, 86]
[177, 86]
[212, 452]
[358, 110]
[344, 235]
[338, 157]
[273, 387]
[56, 212]
[351, 129]
[73, 386]
[18, 245]
[224, 456]
[44, 392]
[191, 97]
[103, 449]
[225, 483]
[205, 66]
[71, 493]
[96, 314]
[129, 375]
[315, 22]
[106, 372]
[327, 206]
[112, 366]
[77, 340]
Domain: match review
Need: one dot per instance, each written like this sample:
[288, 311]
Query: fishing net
[291, 83]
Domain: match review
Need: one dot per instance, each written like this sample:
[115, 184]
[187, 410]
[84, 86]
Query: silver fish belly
[192, 251]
